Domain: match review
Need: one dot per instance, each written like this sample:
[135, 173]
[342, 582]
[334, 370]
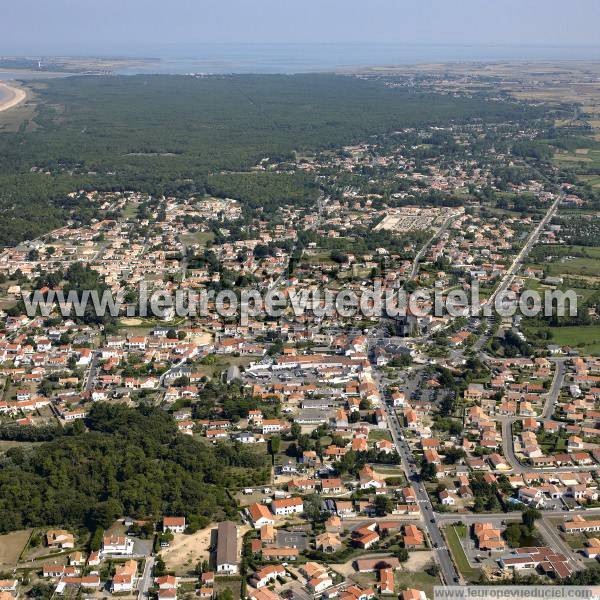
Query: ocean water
[303, 58]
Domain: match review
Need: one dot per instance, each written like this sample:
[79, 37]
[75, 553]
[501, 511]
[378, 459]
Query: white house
[117, 544]
[174, 524]
[287, 506]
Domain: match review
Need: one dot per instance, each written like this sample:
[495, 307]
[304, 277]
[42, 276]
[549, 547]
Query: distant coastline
[183, 59]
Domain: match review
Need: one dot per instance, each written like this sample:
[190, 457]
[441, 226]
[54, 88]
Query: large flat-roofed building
[227, 548]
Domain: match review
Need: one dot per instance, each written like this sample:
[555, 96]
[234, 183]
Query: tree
[295, 430]
[529, 517]
[513, 535]
[275, 444]
[313, 508]
[383, 505]
[160, 568]
[402, 554]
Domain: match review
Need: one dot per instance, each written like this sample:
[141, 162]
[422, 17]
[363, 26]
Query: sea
[305, 58]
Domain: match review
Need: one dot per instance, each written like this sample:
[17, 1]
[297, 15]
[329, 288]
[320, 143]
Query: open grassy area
[379, 434]
[585, 338]
[11, 546]
[223, 583]
[453, 535]
[586, 156]
[8, 444]
[200, 237]
[593, 180]
[420, 580]
[130, 210]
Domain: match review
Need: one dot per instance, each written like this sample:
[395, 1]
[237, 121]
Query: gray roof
[227, 553]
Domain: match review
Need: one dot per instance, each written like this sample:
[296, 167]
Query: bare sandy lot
[12, 96]
[185, 551]
[418, 561]
[131, 322]
[11, 546]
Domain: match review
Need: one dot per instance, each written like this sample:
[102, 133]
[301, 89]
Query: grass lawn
[586, 338]
[130, 210]
[453, 535]
[565, 263]
[593, 180]
[222, 584]
[575, 541]
[200, 237]
[314, 257]
[589, 267]
[8, 444]
[421, 581]
[379, 434]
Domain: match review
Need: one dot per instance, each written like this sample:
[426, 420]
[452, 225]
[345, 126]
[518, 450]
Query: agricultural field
[567, 261]
[11, 546]
[585, 338]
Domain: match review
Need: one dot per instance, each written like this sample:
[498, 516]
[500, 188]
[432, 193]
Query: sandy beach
[11, 96]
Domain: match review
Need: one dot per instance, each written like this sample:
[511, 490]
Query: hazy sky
[46, 26]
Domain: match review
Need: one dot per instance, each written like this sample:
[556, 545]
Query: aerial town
[377, 456]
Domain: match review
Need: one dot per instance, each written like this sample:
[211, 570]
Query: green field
[379, 434]
[593, 180]
[585, 338]
[567, 261]
[453, 535]
[420, 580]
[200, 237]
[587, 267]
[589, 159]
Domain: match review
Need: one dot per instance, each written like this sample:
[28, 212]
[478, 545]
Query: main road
[449, 574]
[516, 264]
[512, 271]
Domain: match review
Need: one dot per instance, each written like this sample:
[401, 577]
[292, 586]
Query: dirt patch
[418, 561]
[185, 551]
[11, 546]
[131, 322]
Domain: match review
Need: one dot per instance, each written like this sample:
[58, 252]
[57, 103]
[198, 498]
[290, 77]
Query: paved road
[421, 252]
[557, 382]
[161, 380]
[516, 264]
[442, 555]
[146, 579]
[556, 542]
[548, 411]
[91, 374]
[514, 268]
[498, 517]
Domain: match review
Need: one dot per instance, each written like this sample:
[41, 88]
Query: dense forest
[166, 134]
[130, 462]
